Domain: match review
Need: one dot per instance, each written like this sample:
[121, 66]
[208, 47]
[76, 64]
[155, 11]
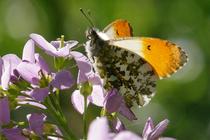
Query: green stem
[62, 123]
[56, 97]
[85, 119]
[57, 93]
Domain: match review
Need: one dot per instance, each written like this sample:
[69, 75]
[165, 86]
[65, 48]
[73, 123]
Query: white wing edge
[131, 44]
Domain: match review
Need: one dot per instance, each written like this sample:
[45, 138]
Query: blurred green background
[184, 98]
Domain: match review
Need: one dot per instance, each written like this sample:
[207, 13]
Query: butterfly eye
[88, 36]
[89, 31]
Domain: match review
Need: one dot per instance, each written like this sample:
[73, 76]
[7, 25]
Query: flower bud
[86, 88]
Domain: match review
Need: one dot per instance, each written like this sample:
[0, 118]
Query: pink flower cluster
[30, 82]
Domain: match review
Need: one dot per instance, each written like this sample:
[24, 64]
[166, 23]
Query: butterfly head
[91, 33]
[94, 34]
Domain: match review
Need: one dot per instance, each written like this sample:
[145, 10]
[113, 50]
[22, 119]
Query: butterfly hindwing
[134, 78]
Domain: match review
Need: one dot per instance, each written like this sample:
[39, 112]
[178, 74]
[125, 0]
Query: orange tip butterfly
[132, 65]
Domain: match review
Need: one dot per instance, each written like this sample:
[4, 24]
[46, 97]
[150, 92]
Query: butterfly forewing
[165, 57]
[117, 29]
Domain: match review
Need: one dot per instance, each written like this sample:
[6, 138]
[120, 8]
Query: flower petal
[113, 101]
[6, 75]
[94, 79]
[29, 72]
[127, 135]
[117, 125]
[158, 130]
[149, 126]
[70, 43]
[83, 64]
[63, 80]
[53, 50]
[127, 112]
[99, 130]
[22, 100]
[42, 63]
[39, 94]
[36, 122]
[11, 59]
[43, 44]
[97, 96]
[56, 44]
[13, 134]
[81, 78]
[65, 51]
[82, 61]
[1, 67]
[77, 100]
[4, 111]
[29, 51]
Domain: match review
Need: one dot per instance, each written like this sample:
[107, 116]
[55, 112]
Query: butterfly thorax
[97, 51]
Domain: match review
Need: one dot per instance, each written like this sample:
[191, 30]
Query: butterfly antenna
[87, 17]
[89, 14]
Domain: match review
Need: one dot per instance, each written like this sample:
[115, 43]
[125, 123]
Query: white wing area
[103, 36]
[110, 32]
[130, 44]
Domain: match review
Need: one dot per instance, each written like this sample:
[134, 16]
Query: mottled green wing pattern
[129, 73]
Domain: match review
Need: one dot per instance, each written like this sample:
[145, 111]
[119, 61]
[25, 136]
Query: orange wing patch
[119, 28]
[122, 28]
[164, 56]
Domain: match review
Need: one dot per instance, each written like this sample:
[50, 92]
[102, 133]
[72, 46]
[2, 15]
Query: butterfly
[130, 64]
